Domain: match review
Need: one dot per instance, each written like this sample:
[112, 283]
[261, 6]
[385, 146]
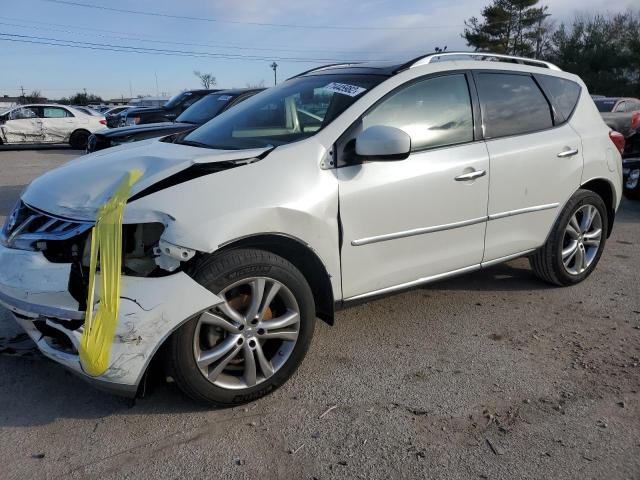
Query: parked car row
[204, 109]
[622, 114]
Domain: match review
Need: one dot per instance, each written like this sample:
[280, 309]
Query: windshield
[292, 111]
[177, 99]
[205, 109]
[605, 105]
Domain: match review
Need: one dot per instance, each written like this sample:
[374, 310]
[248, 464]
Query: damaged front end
[44, 281]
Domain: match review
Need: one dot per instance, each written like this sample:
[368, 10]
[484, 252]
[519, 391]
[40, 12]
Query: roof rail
[323, 67]
[434, 57]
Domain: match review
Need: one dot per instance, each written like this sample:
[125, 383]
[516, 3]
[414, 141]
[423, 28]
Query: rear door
[536, 159]
[57, 124]
[409, 220]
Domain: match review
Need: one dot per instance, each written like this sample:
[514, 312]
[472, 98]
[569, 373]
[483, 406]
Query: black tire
[79, 139]
[546, 262]
[216, 273]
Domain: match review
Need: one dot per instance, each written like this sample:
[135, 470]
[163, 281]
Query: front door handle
[568, 152]
[471, 175]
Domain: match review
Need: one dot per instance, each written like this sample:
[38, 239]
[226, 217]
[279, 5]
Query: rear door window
[55, 112]
[512, 104]
[565, 93]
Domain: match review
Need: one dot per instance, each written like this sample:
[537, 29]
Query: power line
[148, 50]
[238, 22]
[169, 42]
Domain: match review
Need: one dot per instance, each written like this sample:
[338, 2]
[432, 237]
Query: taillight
[635, 120]
[618, 140]
[103, 122]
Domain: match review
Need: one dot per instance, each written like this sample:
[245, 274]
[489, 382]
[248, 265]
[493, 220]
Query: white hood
[77, 189]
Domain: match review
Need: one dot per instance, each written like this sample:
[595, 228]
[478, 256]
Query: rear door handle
[471, 175]
[568, 152]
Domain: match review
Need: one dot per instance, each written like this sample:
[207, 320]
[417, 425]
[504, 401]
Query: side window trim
[552, 112]
[343, 139]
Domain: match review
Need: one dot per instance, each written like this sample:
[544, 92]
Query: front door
[23, 126]
[411, 220]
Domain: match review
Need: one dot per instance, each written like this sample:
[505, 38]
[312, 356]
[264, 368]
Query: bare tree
[206, 79]
[34, 97]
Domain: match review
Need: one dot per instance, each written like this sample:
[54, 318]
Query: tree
[513, 27]
[34, 97]
[81, 98]
[603, 50]
[206, 79]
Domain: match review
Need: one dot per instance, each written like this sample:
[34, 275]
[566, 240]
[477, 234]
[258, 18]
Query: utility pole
[274, 67]
[157, 89]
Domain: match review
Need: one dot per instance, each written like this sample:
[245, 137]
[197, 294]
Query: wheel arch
[603, 188]
[302, 256]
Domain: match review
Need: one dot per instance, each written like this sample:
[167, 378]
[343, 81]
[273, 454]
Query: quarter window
[434, 112]
[565, 93]
[512, 105]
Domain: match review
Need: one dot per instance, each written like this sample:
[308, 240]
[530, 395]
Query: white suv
[341, 184]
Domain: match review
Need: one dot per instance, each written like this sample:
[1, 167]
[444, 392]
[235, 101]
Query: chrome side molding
[449, 226]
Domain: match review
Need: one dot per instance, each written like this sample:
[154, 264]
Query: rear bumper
[36, 292]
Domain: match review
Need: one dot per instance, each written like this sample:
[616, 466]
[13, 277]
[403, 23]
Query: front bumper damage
[36, 291]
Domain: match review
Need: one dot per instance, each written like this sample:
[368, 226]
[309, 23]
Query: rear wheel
[253, 341]
[79, 139]
[576, 242]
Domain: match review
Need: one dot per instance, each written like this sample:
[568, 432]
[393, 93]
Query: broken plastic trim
[196, 170]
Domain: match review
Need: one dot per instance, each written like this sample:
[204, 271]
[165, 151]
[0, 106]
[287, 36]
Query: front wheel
[576, 242]
[252, 342]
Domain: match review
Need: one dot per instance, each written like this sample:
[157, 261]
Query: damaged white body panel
[43, 123]
[36, 290]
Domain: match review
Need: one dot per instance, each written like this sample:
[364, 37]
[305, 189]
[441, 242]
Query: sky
[298, 35]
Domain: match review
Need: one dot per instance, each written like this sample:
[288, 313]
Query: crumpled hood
[77, 189]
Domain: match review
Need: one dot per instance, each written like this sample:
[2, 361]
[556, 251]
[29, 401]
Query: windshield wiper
[191, 143]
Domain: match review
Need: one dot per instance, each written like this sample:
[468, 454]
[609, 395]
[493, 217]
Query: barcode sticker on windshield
[224, 98]
[344, 89]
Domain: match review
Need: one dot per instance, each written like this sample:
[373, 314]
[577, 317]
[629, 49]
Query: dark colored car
[113, 115]
[197, 114]
[166, 113]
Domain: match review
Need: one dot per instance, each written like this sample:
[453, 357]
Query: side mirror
[381, 142]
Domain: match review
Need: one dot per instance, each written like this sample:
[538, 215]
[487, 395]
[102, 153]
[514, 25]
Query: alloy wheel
[581, 241]
[246, 339]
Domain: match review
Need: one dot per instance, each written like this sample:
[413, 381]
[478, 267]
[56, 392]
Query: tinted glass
[565, 93]
[205, 109]
[512, 105]
[605, 105]
[434, 112]
[291, 111]
[54, 112]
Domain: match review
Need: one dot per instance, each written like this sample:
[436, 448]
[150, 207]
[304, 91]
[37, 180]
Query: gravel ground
[493, 375]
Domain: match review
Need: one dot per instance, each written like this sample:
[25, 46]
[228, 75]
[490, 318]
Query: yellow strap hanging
[106, 243]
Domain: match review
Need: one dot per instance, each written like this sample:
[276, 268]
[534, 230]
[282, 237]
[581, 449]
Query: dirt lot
[493, 375]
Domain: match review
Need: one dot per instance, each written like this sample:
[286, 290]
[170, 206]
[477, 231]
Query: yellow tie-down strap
[106, 244]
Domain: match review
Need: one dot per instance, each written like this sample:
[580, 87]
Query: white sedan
[48, 124]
